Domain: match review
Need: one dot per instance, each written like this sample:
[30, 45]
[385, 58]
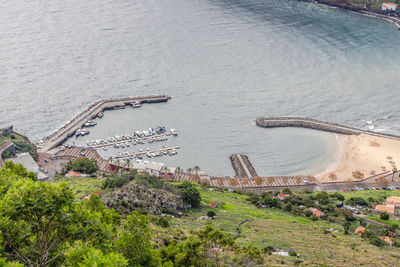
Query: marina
[150, 153]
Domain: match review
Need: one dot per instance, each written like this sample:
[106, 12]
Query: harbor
[71, 128]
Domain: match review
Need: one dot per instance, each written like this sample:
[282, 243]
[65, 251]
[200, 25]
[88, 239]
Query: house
[26, 160]
[283, 196]
[387, 240]
[141, 166]
[316, 212]
[389, 6]
[75, 174]
[392, 200]
[360, 230]
[382, 208]
[213, 204]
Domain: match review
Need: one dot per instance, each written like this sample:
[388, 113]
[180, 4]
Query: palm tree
[118, 163]
[128, 163]
[196, 169]
[178, 170]
[394, 170]
[189, 170]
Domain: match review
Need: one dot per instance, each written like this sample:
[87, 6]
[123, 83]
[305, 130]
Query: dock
[61, 135]
[144, 152]
[242, 166]
[128, 140]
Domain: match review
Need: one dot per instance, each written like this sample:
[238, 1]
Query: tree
[133, 241]
[196, 169]
[82, 254]
[177, 170]
[394, 170]
[189, 170]
[35, 221]
[384, 216]
[190, 194]
[332, 176]
[382, 182]
[84, 165]
[211, 214]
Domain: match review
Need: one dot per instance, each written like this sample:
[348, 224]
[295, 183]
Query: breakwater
[242, 166]
[275, 122]
[68, 130]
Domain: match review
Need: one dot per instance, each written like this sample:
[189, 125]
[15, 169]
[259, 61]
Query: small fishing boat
[136, 104]
[174, 132]
[100, 115]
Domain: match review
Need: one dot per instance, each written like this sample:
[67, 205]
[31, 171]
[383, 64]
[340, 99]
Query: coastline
[365, 154]
[362, 11]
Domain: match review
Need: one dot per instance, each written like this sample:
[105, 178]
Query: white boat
[136, 104]
[104, 148]
[174, 132]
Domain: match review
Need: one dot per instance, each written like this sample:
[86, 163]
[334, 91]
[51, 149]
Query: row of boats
[149, 154]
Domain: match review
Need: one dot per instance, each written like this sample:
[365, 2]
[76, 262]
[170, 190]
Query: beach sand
[361, 156]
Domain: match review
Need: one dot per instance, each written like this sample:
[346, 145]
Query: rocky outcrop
[136, 196]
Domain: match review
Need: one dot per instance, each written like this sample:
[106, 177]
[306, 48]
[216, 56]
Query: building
[389, 6]
[360, 230]
[317, 212]
[152, 168]
[392, 200]
[283, 196]
[75, 174]
[26, 160]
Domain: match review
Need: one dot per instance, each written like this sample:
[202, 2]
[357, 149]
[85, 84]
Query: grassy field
[285, 230]
[270, 227]
[82, 186]
[371, 193]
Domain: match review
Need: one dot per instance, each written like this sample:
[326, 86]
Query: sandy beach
[361, 156]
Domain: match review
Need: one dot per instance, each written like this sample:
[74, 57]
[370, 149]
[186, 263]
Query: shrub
[377, 241]
[384, 216]
[163, 222]
[288, 207]
[314, 218]
[83, 165]
[190, 194]
[338, 196]
[322, 197]
[353, 201]
[308, 213]
[292, 253]
[286, 191]
[211, 214]
[270, 202]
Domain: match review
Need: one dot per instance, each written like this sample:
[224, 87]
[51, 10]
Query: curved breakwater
[275, 122]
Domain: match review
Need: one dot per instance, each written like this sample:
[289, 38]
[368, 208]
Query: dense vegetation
[21, 144]
[83, 165]
[43, 224]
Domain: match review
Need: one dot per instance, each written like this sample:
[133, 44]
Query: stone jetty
[275, 122]
[242, 166]
[91, 112]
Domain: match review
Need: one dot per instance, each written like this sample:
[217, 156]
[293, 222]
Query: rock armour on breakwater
[275, 122]
[242, 166]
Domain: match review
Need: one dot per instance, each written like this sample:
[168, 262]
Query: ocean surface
[224, 62]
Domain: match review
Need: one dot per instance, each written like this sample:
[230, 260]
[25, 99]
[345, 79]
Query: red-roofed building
[360, 230]
[387, 240]
[389, 6]
[283, 196]
[75, 174]
[387, 208]
[392, 200]
[316, 212]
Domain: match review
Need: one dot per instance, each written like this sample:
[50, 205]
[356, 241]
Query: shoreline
[361, 156]
[358, 10]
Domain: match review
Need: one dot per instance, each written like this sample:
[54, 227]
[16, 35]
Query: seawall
[242, 166]
[61, 135]
[275, 122]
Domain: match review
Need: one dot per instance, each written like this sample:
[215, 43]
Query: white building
[26, 160]
[389, 6]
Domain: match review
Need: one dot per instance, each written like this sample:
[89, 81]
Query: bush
[190, 194]
[314, 218]
[288, 207]
[270, 202]
[292, 253]
[308, 213]
[322, 197]
[384, 216]
[163, 222]
[338, 196]
[377, 241]
[353, 201]
[211, 214]
[286, 191]
[83, 165]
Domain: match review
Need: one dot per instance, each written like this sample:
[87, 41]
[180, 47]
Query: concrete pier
[91, 112]
[275, 122]
[127, 140]
[144, 152]
[242, 166]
